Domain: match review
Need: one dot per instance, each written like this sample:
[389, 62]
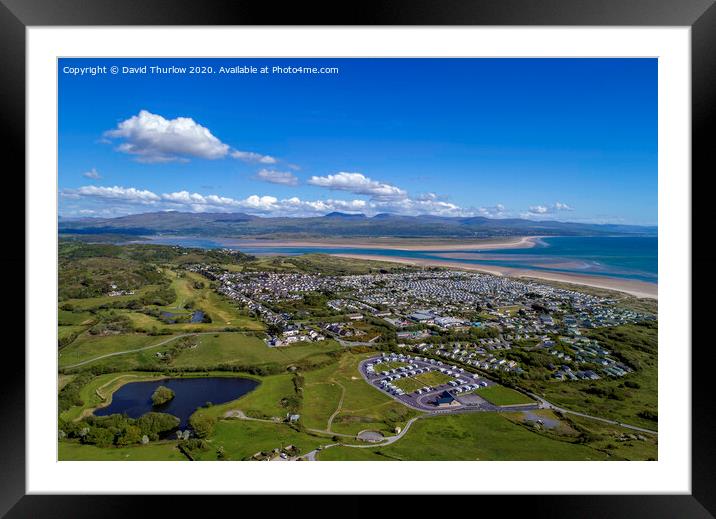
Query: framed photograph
[454, 238]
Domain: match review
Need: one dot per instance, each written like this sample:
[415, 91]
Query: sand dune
[430, 244]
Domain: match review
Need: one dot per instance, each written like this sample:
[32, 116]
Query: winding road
[162, 343]
[311, 456]
[338, 409]
[548, 405]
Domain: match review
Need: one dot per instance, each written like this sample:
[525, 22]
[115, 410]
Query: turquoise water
[620, 257]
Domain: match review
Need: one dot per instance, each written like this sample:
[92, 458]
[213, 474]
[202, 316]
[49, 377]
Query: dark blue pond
[135, 399]
[197, 316]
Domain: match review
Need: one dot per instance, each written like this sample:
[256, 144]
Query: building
[422, 316]
[445, 399]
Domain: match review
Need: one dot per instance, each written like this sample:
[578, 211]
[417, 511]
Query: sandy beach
[628, 286]
[517, 242]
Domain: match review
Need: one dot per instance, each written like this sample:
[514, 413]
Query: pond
[197, 316]
[135, 399]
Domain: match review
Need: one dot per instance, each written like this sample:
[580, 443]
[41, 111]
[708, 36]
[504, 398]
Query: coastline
[632, 287]
[407, 244]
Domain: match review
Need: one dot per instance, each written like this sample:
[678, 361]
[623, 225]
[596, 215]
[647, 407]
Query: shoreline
[406, 244]
[635, 288]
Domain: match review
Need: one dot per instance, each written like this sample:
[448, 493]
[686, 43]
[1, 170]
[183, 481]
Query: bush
[162, 395]
[130, 434]
[112, 324]
[99, 437]
[646, 414]
[153, 424]
[202, 424]
[69, 395]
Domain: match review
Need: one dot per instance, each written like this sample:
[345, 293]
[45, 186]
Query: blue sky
[564, 139]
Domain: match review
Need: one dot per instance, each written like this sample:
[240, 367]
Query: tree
[130, 434]
[98, 436]
[202, 424]
[162, 395]
[152, 424]
[274, 329]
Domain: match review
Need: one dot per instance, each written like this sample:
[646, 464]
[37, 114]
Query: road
[162, 343]
[548, 405]
[338, 409]
[311, 456]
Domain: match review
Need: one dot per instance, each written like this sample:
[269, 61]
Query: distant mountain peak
[339, 224]
[337, 214]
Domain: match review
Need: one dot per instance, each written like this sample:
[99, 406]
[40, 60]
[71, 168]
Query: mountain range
[336, 224]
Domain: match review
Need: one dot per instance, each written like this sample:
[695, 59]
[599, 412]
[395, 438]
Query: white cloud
[93, 174]
[250, 156]
[538, 209]
[260, 203]
[123, 198]
[203, 203]
[127, 194]
[412, 206]
[495, 211]
[358, 184]
[277, 177]
[152, 138]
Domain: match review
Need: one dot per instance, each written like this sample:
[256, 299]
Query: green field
[500, 395]
[320, 400]
[639, 446]
[65, 318]
[364, 406]
[242, 438]
[469, 436]
[212, 351]
[66, 331]
[245, 350]
[263, 402]
[222, 312]
[89, 303]
[387, 366]
[431, 378]
[89, 347]
[159, 451]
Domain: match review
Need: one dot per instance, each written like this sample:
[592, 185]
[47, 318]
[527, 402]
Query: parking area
[426, 384]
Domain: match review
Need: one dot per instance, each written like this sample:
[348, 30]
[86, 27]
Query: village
[432, 385]
[473, 318]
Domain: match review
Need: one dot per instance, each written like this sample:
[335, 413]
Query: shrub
[646, 414]
[162, 395]
[202, 424]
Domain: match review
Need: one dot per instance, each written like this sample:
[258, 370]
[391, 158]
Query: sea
[626, 257]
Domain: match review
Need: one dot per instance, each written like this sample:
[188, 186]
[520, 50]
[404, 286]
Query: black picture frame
[699, 15]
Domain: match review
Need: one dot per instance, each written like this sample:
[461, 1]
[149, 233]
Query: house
[422, 316]
[445, 399]
[546, 319]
